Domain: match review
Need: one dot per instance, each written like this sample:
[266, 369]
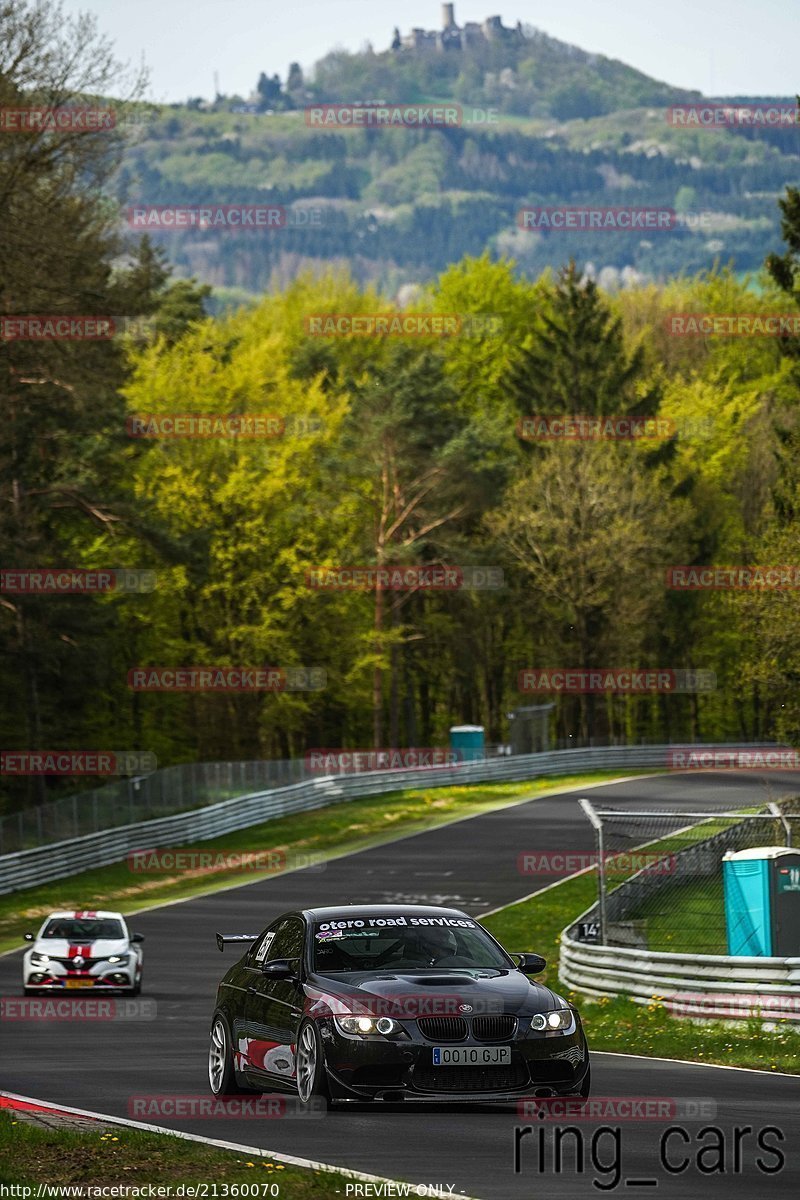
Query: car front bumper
[110, 980]
[402, 1068]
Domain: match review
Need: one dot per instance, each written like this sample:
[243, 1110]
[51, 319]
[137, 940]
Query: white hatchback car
[83, 950]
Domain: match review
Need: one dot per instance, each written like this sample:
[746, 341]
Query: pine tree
[579, 363]
[785, 270]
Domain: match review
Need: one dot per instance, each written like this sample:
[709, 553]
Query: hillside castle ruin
[453, 37]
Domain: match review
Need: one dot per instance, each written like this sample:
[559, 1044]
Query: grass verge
[334, 830]
[620, 1025]
[31, 1155]
[695, 919]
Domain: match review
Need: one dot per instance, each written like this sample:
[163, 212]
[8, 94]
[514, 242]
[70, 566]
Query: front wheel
[221, 1075]
[312, 1084]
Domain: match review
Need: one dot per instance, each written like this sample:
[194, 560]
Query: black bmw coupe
[389, 1003]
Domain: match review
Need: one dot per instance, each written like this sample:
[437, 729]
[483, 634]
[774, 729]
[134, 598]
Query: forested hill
[530, 75]
[554, 126]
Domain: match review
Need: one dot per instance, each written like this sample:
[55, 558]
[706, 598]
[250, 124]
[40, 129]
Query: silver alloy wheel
[306, 1063]
[217, 1054]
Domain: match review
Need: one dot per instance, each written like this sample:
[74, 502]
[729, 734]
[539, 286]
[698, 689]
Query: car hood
[430, 994]
[62, 948]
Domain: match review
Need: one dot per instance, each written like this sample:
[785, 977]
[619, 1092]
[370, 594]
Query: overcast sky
[721, 47]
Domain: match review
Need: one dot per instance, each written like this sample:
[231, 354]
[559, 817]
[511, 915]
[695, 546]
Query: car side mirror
[29, 937]
[137, 937]
[279, 968]
[530, 964]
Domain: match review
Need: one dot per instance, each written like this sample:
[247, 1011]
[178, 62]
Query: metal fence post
[597, 824]
[787, 828]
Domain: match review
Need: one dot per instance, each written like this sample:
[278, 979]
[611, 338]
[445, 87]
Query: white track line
[688, 1062]
[584, 870]
[307, 1163]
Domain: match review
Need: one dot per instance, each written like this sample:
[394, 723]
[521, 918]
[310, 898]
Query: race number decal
[261, 953]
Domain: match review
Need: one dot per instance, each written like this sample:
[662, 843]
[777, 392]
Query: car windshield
[404, 944]
[84, 929]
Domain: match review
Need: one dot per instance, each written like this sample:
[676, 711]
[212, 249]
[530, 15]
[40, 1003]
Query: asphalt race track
[470, 864]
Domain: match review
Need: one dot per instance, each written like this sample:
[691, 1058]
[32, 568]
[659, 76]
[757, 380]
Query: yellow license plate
[79, 983]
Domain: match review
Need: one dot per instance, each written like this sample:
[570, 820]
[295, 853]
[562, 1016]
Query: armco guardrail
[26, 868]
[700, 985]
[55, 861]
[162, 793]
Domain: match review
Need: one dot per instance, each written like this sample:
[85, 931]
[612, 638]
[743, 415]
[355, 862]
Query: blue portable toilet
[467, 742]
[762, 901]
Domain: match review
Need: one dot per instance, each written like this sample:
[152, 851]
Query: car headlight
[558, 1019]
[115, 958]
[366, 1025]
[39, 960]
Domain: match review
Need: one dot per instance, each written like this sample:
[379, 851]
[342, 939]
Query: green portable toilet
[467, 742]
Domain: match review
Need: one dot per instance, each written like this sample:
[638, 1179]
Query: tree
[785, 268]
[64, 457]
[785, 271]
[239, 526]
[579, 363]
[399, 453]
[592, 529]
[295, 82]
[168, 307]
[61, 408]
[771, 621]
[270, 92]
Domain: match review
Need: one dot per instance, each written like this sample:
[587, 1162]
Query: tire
[312, 1082]
[221, 1073]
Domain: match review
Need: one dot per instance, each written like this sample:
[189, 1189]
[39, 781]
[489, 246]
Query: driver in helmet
[436, 943]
